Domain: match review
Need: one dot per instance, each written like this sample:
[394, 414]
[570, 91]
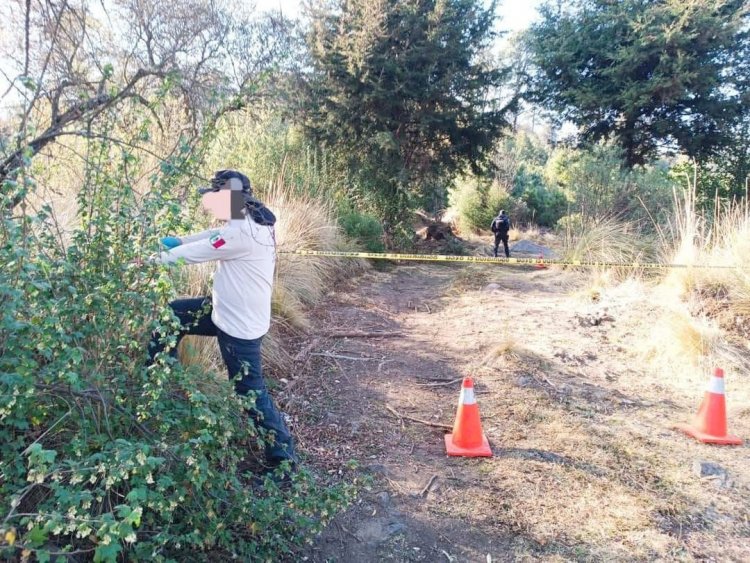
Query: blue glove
[171, 242]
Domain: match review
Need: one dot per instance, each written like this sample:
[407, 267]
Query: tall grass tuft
[719, 240]
[713, 295]
[607, 240]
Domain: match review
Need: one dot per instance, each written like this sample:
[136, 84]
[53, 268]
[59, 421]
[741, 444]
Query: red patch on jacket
[217, 241]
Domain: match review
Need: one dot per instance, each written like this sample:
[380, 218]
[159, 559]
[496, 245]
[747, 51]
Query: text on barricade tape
[493, 260]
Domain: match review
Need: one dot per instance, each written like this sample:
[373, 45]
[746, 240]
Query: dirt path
[585, 464]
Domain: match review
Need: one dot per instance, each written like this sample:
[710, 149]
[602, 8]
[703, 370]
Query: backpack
[501, 224]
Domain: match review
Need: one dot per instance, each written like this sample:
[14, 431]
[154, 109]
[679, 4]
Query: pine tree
[645, 73]
[400, 87]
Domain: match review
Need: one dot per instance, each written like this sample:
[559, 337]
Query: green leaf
[137, 494]
[37, 536]
[107, 553]
[28, 83]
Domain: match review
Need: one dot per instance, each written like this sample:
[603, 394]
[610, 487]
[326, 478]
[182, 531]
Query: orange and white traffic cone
[710, 424]
[467, 438]
[540, 265]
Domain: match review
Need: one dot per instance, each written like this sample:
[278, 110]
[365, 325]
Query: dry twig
[352, 534]
[341, 357]
[440, 383]
[374, 334]
[426, 489]
[425, 422]
[302, 354]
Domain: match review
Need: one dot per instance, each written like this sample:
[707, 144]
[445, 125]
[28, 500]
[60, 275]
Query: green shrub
[597, 184]
[271, 151]
[477, 202]
[545, 205]
[101, 457]
[362, 228]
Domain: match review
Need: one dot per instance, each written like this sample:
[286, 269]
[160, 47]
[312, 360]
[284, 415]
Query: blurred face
[219, 204]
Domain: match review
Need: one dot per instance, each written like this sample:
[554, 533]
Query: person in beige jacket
[238, 313]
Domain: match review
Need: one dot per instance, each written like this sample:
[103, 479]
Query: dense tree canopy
[402, 87]
[646, 73]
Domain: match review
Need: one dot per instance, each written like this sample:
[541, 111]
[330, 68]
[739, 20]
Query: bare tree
[69, 61]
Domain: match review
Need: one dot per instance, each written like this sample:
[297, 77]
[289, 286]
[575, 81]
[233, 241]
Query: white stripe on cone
[716, 385]
[467, 396]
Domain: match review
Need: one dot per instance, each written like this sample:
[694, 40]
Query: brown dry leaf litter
[586, 465]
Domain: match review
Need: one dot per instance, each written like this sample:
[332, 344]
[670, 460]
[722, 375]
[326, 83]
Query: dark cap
[228, 180]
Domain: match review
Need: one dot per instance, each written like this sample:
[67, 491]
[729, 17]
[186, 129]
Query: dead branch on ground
[420, 421]
[375, 334]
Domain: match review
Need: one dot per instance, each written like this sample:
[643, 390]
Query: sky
[515, 15]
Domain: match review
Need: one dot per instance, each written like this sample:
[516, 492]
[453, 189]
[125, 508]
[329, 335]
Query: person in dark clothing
[500, 226]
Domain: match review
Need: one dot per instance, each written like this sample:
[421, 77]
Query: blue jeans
[241, 357]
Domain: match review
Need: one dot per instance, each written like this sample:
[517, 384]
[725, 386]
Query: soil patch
[585, 466]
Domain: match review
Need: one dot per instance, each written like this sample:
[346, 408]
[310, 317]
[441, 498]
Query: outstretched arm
[221, 245]
[187, 239]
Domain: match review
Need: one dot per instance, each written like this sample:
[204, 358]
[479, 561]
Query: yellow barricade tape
[493, 260]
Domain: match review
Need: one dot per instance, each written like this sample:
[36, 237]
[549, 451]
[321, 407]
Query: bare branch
[27, 27]
[201, 51]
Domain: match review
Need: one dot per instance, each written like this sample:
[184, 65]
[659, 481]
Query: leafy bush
[722, 178]
[519, 165]
[546, 206]
[362, 228]
[539, 185]
[100, 456]
[598, 185]
[477, 202]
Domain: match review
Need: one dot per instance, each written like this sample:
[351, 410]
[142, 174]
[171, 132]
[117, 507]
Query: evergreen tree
[400, 88]
[646, 73]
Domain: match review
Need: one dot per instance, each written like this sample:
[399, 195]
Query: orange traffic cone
[467, 439]
[710, 424]
[540, 265]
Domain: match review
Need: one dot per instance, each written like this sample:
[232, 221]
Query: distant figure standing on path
[500, 226]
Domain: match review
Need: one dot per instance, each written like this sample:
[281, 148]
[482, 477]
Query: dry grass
[469, 278]
[506, 347]
[678, 344]
[702, 300]
[307, 223]
[516, 234]
[607, 240]
[581, 478]
[679, 336]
